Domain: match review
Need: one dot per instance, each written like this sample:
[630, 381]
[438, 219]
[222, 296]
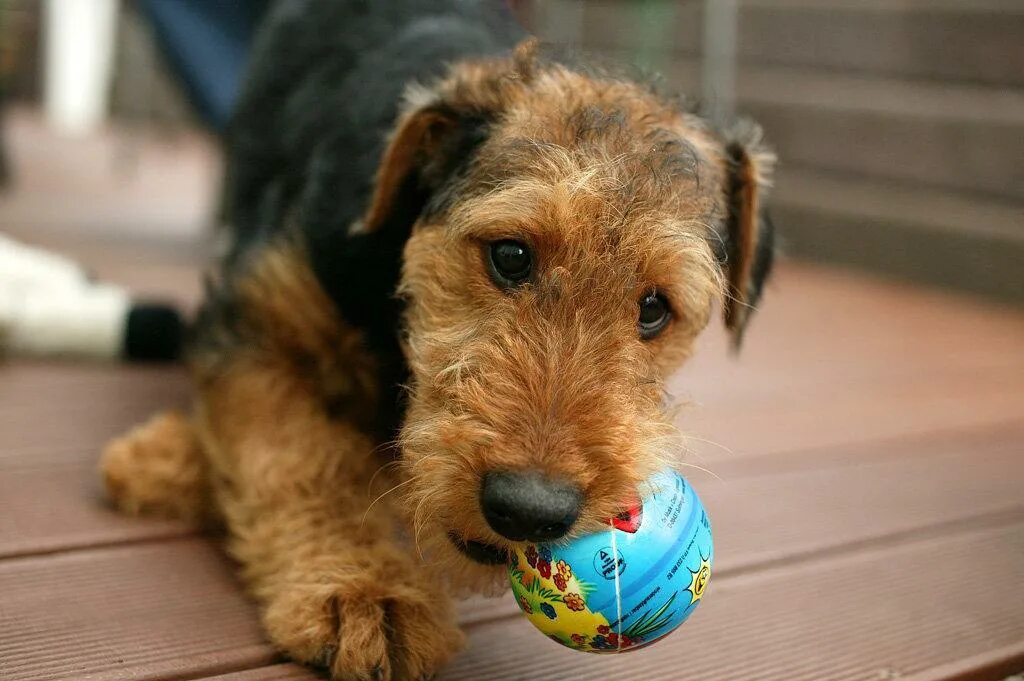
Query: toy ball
[625, 587]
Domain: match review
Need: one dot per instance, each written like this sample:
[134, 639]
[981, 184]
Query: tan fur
[618, 193]
[158, 469]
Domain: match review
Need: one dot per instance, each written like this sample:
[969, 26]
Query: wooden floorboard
[818, 328]
[886, 613]
[763, 519]
[277, 672]
[61, 508]
[761, 522]
[160, 611]
[840, 417]
[54, 418]
[833, 358]
[47, 408]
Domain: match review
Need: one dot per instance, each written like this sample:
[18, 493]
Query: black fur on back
[323, 90]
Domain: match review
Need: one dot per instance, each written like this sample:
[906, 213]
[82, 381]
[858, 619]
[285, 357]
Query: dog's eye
[654, 315]
[510, 262]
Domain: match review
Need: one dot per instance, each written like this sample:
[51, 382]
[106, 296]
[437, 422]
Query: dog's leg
[336, 587]
[158, 469]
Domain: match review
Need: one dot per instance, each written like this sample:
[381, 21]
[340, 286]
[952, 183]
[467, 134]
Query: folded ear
[749, 239]
[438, 134]
[358, 261]
[360, 267]
[427, 149]
[355, 245]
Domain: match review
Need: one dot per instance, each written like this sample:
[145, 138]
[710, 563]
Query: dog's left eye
[510, 262]
[654, 315]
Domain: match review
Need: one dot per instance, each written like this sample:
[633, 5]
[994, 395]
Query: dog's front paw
[362, 629]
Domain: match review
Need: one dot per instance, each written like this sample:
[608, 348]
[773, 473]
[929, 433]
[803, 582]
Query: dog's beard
[462, 559]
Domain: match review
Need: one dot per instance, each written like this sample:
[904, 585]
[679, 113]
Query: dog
[462, 272]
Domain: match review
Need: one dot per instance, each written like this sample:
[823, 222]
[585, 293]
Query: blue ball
[625, 587]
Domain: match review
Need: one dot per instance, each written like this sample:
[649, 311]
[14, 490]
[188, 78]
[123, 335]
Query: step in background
[899, 124]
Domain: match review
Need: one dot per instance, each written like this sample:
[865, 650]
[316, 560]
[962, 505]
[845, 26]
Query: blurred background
[899, 123]
[862, 459]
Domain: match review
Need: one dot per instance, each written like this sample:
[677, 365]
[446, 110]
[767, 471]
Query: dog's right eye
[509, 262]
[654, 315]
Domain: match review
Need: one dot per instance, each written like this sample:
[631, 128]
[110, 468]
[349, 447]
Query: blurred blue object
[206, 42]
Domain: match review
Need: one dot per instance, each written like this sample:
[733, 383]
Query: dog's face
[552, 282]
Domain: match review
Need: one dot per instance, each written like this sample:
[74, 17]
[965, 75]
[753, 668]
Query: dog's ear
[749, 238]
[358, 257]
[428, 148]
[436, 137]
[359, 263]
[360, 269]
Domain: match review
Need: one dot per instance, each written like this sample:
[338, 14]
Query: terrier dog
[469, 295]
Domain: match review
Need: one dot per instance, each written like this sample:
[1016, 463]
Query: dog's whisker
[717, 445]
[381, 469]
[702, 469]
[387, 444]
[372, 503]
[418, 523]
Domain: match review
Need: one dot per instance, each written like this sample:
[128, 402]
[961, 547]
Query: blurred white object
[86, 322]
[22, 267]
[48, 306]
[79, 42]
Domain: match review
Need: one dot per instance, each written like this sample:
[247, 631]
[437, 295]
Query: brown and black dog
[447, 322]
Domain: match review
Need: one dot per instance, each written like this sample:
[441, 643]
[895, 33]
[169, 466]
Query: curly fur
[358, 372]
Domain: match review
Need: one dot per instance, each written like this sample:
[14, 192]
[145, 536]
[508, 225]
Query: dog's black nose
[527, 506]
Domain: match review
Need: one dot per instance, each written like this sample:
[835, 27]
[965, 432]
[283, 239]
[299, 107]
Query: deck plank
[834, 358]
[763, 519]
[844, 416]
[60, 508]
[161, 611]
[892, 488]
[882, 614]
[66, 408]
[277, 672]
[54, 418]
[795, 517]
[819, 327]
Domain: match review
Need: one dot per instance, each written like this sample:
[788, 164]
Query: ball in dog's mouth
[485, 554]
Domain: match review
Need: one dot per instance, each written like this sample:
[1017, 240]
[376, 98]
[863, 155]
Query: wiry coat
[378, 151]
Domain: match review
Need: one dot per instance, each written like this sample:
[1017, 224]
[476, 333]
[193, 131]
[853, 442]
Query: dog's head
[564, 239]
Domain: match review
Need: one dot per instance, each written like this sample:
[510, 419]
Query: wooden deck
[867, 446]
